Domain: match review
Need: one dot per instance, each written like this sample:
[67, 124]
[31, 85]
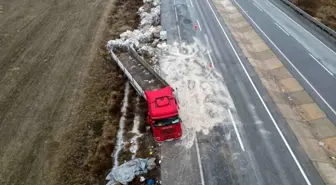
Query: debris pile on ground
[127, 171]
[204, 99]
[147, 37]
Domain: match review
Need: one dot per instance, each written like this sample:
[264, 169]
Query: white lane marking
[199, 25]
[192, 5]
[262, 101]
[212, 64]
[281, 28]
[303, 77]
[179, 33]
[199, 160]
[236, 130]
[257, 6]
[303, 28]
[324, 67]
[176, 14]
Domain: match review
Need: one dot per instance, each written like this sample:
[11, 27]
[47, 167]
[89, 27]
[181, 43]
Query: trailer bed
[145, 79]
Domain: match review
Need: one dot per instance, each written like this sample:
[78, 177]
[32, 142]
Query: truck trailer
[162, 116]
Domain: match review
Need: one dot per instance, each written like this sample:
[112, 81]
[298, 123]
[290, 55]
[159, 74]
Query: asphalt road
[309, 53]
[252, 153]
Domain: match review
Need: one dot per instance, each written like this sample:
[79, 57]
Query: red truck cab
[163, 114]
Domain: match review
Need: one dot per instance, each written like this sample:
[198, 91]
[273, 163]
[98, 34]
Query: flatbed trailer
[162, 105]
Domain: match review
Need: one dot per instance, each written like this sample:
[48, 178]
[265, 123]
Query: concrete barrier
[309, 17]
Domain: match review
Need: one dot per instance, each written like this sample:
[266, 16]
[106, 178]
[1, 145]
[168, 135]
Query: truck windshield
[167, 121]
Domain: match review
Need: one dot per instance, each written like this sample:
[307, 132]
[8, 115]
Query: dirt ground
[324, 10]
[60, 93]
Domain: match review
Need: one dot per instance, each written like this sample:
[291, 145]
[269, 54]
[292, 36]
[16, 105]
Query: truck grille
[167, 131]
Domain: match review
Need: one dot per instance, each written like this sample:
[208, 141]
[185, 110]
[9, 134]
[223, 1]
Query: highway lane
[265, 158]
[310, 60]
[213, 153]
[306, 24]
[272, 159]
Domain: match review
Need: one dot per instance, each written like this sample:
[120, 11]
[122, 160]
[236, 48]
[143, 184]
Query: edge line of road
[191, 3]
[236, 130]
[179, 33]
[324, 67]
[199, 160]
[262, 101]
[199, 25]
[257, 6]
[292, 65]
[281, 28]
[302, 27]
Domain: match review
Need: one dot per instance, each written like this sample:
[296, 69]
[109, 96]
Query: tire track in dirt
[13, 50]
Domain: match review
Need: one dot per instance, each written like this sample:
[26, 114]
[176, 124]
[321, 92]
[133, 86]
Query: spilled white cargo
[203, 96]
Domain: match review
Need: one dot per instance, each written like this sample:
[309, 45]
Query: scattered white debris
[134, 148]
[145, 39]
[135, 130]
[142, 179]
[151, 164]
[146, 50]
[163, 35]
[321, 143]
[120, 139]
[202, 94]
[152, 18]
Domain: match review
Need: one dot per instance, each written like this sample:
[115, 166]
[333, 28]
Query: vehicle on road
[163, 116]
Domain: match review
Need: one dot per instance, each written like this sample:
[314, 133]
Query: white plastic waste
[126, 172]
[163, 35]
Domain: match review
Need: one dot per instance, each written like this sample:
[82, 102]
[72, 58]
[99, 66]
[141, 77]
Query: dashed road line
[236, 130]
[324, 67]
[261, 99]
[292, 65]
[212, 64]
[257, 6]
[191, 3]
[281, 28]
[199, 160]
[303, 28]
[199, 25]
[179, 32]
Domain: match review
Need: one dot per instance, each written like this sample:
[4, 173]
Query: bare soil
[60, 93]
[324, 10]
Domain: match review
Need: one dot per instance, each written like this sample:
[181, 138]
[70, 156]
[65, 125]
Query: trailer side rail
[134, 83]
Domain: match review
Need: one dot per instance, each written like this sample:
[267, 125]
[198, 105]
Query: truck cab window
[167, 121]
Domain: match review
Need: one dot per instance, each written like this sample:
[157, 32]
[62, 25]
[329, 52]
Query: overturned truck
[162, 116]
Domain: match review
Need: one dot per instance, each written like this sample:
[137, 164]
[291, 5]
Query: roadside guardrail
[328, 30]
